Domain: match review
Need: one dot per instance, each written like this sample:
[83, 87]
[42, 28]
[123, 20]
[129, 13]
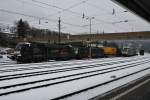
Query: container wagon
[97, 52]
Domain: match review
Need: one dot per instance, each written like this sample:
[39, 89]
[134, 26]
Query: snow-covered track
[98, 72]
[71, 82]
[76, 93]
[59, 63]
[9, 76]
[105, 70]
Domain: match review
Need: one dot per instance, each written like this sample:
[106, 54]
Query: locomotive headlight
[19, 55]
[17, 52]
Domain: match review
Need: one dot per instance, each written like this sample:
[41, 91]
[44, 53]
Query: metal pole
[90, 25]
[90, 51]
[59, 28]
[90, 39]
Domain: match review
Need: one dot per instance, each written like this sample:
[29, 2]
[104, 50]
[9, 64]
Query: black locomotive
[37, 52]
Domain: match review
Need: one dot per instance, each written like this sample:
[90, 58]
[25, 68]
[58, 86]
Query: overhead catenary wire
[75, 5]
[40, 4]
[36, 17]
[108, 11]
[43, 3]
[30, 3]
[68, 10]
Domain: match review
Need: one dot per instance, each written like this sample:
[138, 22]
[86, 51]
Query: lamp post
[90, 51]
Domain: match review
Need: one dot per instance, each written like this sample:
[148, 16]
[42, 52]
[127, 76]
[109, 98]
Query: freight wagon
[84, 50]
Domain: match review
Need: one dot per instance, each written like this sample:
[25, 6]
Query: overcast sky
[72, 13]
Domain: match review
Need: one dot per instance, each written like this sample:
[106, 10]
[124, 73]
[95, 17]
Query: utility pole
[59, 29]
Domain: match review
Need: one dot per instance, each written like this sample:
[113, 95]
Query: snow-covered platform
[70, 80]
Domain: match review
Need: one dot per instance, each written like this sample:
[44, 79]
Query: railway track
[49, 65]
[83, 92]
[60, 63]
[65, 69]
[88, 72]
[13, 83]
[54, 62]
[45, 66]
[80, 76]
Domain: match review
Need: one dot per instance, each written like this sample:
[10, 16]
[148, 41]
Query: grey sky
[72, 21]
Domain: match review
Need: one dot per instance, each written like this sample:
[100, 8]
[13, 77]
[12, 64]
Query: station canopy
[140, 7]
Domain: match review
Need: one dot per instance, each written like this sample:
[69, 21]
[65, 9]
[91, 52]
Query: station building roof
[139, 7]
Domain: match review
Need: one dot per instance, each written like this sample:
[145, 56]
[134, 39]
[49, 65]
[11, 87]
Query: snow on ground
[56, 84]
[105, 88]
[44, 68]
[54, 75]
[6, 60]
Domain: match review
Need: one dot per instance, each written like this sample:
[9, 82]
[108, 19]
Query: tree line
[24, 30]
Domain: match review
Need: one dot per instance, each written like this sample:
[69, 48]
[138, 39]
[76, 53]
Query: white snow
[57, 90]
[6, 60]
[54, 75]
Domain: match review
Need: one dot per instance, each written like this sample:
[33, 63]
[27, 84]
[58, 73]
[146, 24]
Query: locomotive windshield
[20, 45]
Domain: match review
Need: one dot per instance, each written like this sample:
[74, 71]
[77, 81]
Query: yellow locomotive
[109, 48]
[110, 51]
